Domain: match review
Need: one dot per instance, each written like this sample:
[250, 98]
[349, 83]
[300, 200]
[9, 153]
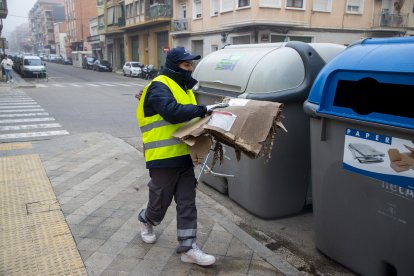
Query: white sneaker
[147, 232]
[196, 256]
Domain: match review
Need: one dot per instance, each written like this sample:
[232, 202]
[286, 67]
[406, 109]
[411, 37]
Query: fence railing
[391, 20]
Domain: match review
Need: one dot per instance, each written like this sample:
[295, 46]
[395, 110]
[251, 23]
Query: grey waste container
[362, 148]
[279, 72]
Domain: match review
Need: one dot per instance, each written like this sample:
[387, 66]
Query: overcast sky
[18, 11]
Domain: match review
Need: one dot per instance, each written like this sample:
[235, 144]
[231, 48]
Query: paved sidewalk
[101, 183]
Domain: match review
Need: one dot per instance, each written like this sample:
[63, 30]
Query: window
[183, 11]
[322, 5]
[354, 6]
[110, 16]
[197, 9]
[226, 5]
[298, 4]
[243, 39]
[282, 38]
[128, 10]
[215, 7]
[269, 3]
[243, 3]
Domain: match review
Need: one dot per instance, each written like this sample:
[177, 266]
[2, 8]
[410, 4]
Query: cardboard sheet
[248, 126]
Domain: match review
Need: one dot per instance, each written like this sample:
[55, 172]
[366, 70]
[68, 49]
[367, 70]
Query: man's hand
[211, 107]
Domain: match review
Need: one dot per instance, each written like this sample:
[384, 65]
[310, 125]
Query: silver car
[132, 68]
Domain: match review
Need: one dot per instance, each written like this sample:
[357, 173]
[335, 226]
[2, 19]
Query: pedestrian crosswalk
[22, 118]
[88, 84]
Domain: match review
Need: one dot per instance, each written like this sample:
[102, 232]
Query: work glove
[211, 107]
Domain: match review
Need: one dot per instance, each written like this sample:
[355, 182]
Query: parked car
[87, 62]
[133, 68]
[32, 66]
[55, 58]
[102, 65]
[67, 61]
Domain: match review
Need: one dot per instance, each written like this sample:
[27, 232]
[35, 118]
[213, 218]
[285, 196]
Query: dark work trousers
[165, 184]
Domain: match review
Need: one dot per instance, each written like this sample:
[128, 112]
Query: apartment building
[144, 30]
[60, 32]
[42, 16]
[77, 14]
[205, 26]
[19, 39]
[147, 30]
[3, 10]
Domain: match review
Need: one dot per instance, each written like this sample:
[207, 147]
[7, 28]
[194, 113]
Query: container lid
[372, 80]
[251, 68]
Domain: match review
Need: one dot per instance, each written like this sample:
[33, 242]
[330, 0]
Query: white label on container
[382, 157]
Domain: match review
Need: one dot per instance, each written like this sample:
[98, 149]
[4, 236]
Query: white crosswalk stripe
[19, 106]
[18, 113]
[20, 103]
[33, 134]
[23, 115]
[88, 84]
[21, 110]
[29, 126]
[10, 121]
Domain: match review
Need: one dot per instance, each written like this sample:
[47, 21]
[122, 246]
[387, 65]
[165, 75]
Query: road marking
[19, 127]
[24, 115]
[94, 85]
[20, 103]
[33, 134]
[76, 85]
[41, 85]
[107, 84]
[10, 121]
[6, 100]
[123, 84]
[17, 106]
[22, 110]
[57, 85]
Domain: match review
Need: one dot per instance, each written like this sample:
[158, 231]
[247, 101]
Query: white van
[32, 66]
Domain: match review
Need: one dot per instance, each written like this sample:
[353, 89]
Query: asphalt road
[83, 100]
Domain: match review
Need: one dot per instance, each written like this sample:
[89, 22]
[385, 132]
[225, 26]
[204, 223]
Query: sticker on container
[222, 119]
[228, 63]
[382, 157]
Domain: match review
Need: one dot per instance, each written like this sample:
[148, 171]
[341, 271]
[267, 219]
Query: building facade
[42, 16]
[60, 31]
[205, 26]
[77, 15]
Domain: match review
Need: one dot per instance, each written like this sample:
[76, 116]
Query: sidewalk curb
[230, 225]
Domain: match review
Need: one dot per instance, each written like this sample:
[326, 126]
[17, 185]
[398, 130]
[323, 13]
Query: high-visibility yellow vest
[156, 132]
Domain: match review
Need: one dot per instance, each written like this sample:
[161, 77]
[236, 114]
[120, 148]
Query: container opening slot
[367, 95]
[388, 269]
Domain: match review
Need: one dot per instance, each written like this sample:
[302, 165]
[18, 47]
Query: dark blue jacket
[160, 100]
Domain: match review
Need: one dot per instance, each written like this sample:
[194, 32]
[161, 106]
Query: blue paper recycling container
[361, 109]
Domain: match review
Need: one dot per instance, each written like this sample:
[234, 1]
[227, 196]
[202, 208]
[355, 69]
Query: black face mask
[186, 74]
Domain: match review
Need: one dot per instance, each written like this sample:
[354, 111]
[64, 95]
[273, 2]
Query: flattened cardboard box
[246, 125]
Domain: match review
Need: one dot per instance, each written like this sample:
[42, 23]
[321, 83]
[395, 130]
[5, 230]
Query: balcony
[159, 11]
[179, 25]
[3, 9]
[390, 20]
